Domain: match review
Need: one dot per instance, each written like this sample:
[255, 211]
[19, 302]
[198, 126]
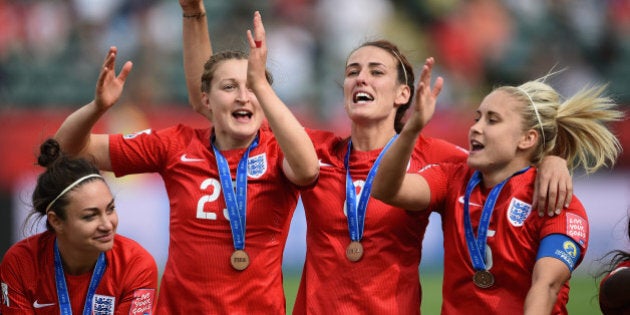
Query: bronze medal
[483, 279]
[354, 252]
[239, 260]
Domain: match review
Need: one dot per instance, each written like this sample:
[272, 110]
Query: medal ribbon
[65, 308]
[477, 246]
[356, 213]
[235, 200]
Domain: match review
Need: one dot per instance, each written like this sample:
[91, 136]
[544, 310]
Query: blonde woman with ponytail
[500, 258]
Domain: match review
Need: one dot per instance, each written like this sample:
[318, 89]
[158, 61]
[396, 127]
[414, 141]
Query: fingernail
[558, 211]
[550, 213]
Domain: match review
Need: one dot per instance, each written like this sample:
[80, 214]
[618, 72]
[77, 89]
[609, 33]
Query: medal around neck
[354, 251]
[483, 279]
[239, 260]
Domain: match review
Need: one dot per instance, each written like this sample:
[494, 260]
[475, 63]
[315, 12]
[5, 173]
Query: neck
[372, 137]
[493, 177]
[76, 262]
[224, 142]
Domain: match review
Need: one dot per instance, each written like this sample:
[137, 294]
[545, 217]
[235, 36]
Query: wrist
[195, 15]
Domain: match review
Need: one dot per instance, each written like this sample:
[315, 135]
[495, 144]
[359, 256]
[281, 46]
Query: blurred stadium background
[51, 52]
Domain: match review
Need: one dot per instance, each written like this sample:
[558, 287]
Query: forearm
[548, 277]
[391, 171]
[196, 51]
[74, 133]
[540, 300]
[295, 143]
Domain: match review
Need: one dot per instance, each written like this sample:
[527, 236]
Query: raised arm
[75, 135]
[300, 163]
[548, 277]
[392, 184]
[197, 49]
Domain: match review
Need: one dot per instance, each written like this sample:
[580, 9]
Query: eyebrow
[370, 65]
[228, 80]
[93, 209]
[488, 113]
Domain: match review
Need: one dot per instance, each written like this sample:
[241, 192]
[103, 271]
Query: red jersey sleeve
[14, 275]
[572, 222]
[140, 279]
[145, 151]
[440, 177]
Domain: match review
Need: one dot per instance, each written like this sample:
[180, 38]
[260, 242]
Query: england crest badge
[518, 211]
[103, 305]
[257, 165]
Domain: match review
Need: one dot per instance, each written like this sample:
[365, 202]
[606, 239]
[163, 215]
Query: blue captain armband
[561, 247]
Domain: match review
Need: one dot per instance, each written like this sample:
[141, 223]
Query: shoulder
[442, 149]
[322, 135]
[446, 168]
[28, 252]
[178, 130]
[128, 250]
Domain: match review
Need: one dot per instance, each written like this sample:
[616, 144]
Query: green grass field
[582, 299]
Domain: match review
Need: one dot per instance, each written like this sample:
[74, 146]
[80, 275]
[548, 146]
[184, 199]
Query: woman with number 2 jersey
[232, 188]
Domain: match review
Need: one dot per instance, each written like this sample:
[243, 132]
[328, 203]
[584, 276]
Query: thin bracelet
[194, 15]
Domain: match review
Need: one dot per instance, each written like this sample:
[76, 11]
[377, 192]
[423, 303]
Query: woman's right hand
[109, 87]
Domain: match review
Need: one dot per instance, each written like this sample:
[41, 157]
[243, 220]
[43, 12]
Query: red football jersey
[386, 279]
[198, 277]
[27, 278]
[514, 236]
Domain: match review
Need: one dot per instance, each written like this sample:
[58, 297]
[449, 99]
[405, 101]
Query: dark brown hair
[405, 75]
[61, 171]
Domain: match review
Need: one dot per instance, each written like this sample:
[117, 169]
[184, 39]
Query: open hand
[109, 87]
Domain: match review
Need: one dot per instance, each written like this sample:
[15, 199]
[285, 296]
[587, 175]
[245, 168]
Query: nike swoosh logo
[184, 158]
[461, 200]
[37, 305]
[324, 164]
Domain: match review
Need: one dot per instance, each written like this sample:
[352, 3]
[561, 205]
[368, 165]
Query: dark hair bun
[49, 152]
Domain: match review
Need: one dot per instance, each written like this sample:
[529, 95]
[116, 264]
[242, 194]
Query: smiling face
[90, 218]
[371, 89]
[236, 114]
[497, 138]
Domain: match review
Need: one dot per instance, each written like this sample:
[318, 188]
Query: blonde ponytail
[575, 129]
[584, 139]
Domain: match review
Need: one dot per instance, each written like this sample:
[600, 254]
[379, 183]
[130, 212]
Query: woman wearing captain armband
[500, 258]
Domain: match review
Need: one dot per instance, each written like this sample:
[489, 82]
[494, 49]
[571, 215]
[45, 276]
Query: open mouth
[476, 146]
[242, 114]
[362, 97]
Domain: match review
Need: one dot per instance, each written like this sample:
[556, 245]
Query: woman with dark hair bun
[78, 265]
[614, 289]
